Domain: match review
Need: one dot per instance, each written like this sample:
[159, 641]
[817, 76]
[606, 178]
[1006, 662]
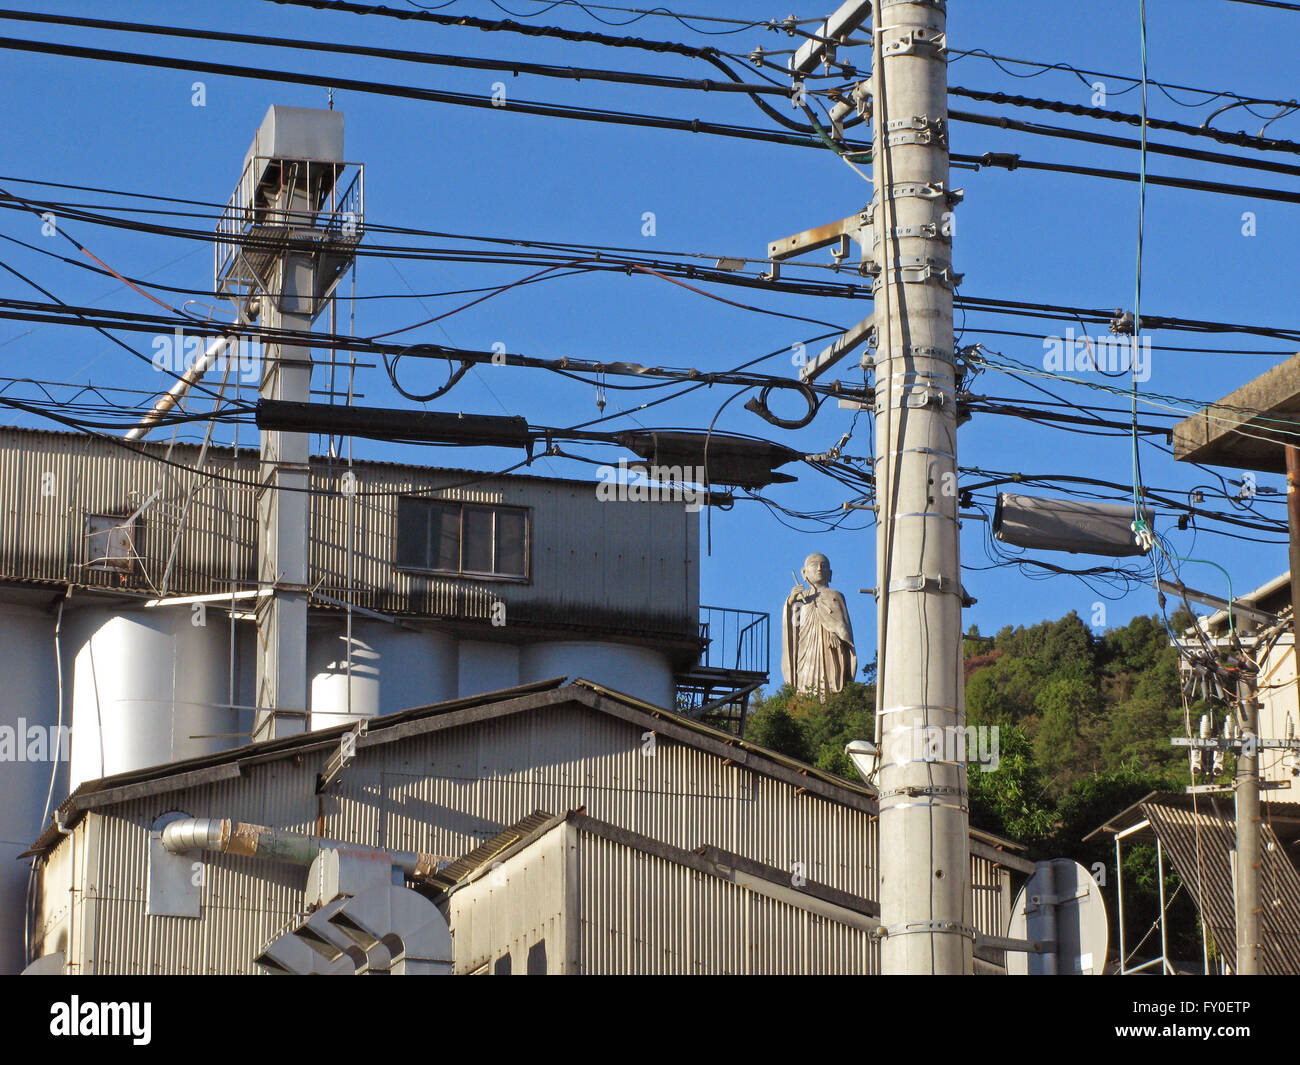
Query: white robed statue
[817, 653]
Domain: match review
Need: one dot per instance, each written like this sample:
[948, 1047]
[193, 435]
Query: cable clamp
[929, 42]
[925, 191]
[929, 231]
[920, 270]
[913, 790]
[911, 928]
[919, 129]
[938, 5]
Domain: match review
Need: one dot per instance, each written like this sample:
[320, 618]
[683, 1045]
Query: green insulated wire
[1137, 299]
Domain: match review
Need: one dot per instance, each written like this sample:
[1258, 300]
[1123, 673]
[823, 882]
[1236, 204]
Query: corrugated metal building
[605, 568]
[578, 895]
[445, 779]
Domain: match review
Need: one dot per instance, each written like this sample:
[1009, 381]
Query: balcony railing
[735, 639]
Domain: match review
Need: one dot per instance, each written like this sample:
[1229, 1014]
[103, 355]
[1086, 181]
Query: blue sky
[1024, 236]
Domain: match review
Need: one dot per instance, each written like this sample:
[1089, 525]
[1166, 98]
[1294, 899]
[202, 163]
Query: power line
[406, 56]
[693, 125]
[740, 24]
[1083, 74]
[1243, 140]
[1268, 3]
[1010, 162]
[1015, 162]
[1067, 133]
[502, 26]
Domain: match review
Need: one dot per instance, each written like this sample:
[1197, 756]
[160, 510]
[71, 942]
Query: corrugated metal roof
[1200, 842]
[491, 850]
[639, 562]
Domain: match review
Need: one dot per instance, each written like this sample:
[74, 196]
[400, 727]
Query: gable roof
[455, 713]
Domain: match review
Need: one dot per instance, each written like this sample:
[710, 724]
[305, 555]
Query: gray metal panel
[300, 133]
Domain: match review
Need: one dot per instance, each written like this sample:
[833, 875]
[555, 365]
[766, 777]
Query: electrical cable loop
[758, 404]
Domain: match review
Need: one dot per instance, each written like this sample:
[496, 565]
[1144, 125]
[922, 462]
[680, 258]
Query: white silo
[29, 738]
[392, 669]
[149, 686]
[636, 671]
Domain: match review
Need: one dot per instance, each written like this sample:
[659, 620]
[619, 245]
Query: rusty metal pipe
[277, 845]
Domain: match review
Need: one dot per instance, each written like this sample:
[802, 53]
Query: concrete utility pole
[925, 907]
[1248, 851]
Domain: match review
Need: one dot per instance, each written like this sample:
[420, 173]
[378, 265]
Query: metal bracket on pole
[821, 47]
[929, 231]
[938, 5]
[909, 928]
[912, 791]
[840, 347]
[920, 270]
[930, 190]
[922, 351]
[855, 227]
[919, 129]
[916, 398]
[927, 41]
[942, 585]
[1026, 946]
[921, 583]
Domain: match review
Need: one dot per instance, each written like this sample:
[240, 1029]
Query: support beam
[283, 503]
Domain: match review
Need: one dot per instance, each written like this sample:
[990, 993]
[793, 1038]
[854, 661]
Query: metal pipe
[224, 836]
[1248, 851]
[1164, 933]
[1119, 891]
[187, 380]
[1293, 525]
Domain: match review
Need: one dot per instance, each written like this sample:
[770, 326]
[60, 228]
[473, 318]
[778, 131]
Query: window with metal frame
[467, 539]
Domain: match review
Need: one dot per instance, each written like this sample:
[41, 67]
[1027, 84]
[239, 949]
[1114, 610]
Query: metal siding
[447, 791]
[635, 560]
[57, 901]
[645, 914]
[519, 903]
[244, 901]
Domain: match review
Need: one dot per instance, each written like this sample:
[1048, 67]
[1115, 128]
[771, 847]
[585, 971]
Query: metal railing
[333, 212]
[735, 639]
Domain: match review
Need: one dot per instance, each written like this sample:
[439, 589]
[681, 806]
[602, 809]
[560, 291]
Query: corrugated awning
[1200, 840]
